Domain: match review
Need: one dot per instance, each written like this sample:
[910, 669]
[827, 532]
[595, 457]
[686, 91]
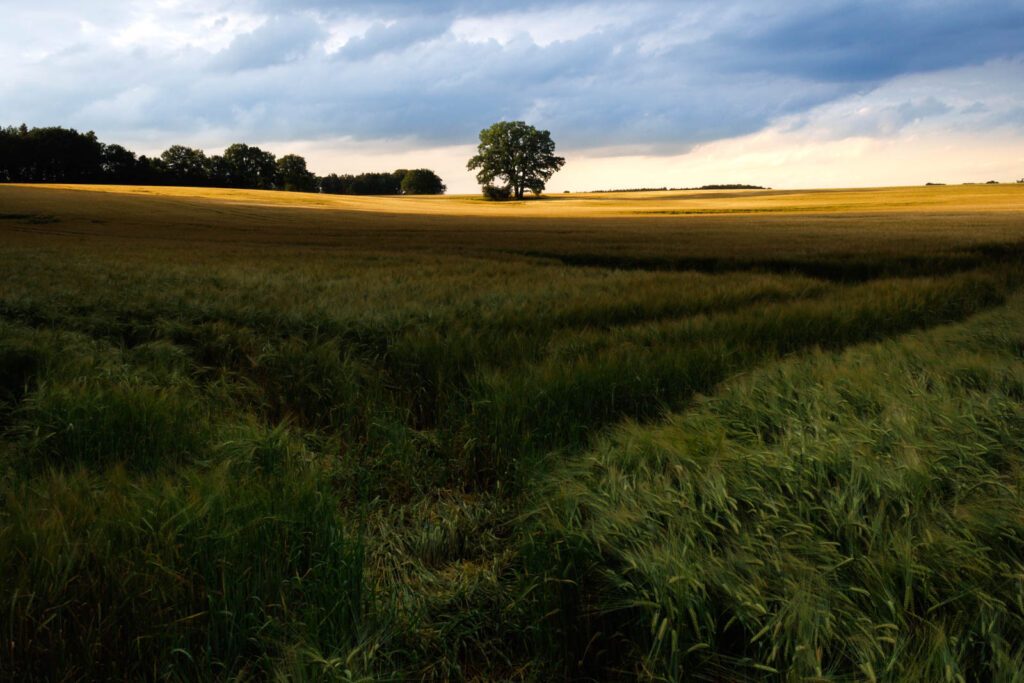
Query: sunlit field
[713, 436]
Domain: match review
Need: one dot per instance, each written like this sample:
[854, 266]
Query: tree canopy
[518, 154]
[118, 164]
[401, 181]
[49, 155]
[249, 166]
[422, 181]
[293, 174]
[185, 165]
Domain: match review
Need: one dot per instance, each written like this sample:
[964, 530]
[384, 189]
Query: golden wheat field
[707, 435]
[661, 226]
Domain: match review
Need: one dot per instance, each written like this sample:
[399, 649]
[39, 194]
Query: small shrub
[496, 194]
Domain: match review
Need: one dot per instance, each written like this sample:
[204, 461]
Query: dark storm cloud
[869, 41]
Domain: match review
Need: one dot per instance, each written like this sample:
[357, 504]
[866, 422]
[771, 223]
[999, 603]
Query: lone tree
[517, 153]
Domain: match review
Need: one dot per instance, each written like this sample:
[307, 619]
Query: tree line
[63, 155]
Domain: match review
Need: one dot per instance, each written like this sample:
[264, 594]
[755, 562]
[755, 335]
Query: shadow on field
[836, 267]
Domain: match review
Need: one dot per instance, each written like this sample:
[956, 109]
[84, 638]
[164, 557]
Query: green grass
[236, 461]
[202, 574]
[855, 514]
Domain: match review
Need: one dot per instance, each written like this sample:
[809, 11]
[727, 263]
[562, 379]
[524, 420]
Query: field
[718, 436]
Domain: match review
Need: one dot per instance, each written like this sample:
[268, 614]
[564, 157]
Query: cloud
[968, 100]
[280, 40]
[872, 40]
[394, 8]
[640, 77]
[393, 37]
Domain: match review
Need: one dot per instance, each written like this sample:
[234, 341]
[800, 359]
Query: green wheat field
[732, 436]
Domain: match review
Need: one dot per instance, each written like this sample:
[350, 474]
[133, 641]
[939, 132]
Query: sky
[783, 93]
